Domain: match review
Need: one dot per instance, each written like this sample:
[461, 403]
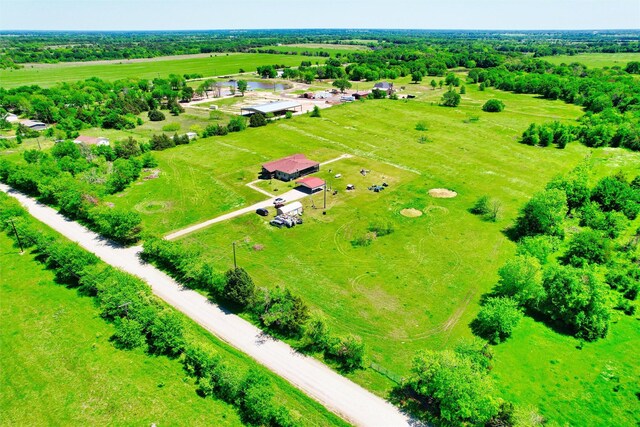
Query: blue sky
[420, 14]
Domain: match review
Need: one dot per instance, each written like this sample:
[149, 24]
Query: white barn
[294, 208]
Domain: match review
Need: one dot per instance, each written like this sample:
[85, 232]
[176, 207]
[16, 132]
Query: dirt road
[337, 393]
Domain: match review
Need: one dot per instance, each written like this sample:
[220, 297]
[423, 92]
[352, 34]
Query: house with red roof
[290, 167]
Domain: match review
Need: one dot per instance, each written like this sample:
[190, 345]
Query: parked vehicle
[262, 211]
[276, 222]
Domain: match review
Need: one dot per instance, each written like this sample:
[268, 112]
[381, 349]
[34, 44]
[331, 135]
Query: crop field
[216, 65]
[596, 60]
[60, 368]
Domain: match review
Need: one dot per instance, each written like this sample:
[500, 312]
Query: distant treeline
[51, 47]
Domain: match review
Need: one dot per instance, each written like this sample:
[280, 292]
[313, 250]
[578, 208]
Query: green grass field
[596, 60]
[216, 65]
[419, 287]
[59, 368]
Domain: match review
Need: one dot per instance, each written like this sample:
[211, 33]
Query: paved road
[334, 391]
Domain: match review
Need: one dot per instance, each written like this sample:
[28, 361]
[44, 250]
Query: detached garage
[294, 208]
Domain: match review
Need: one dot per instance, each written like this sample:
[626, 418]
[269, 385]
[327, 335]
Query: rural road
[338, 394]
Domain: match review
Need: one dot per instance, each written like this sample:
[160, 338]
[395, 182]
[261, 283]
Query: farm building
[276, 108]
[90, 140]
[289, 168]
[360, 94]
[384, 86]
[34, 124]
[311, 182]
[11, 118]
[294, 208]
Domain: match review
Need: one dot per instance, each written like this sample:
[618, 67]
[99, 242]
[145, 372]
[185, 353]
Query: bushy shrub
[156, 115]
[348, 351]
[239, 287]
[280, 310]
[493, 106]
[257, 120]
[166, 334]
[171, 127]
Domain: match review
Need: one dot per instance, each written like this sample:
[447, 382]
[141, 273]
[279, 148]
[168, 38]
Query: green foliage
[481, 206]
[156, 116]
[613, 193]
[416, 77]
[530, 136]
[166, 334]
[120, 225]
[342, 84]
[576, 298]
[288, 115]
[496, 319]
[315, 112]
[381, 227]
[543, 214]
[129, 333]
[348, 351]
[161, 142]
[539, 247]
[493, 106]
[521, 280]
[239, 287]
[237, 124]
[171, 127]
[316, 333]
[257, 120]
[451, 390]
[575, 186]
[422, 126]
[588, 247]
[127, 148]
[282, 311]
[450, 99]
[242, 86]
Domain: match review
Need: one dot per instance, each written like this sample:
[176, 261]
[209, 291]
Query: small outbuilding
[11, 118]
[384, 86]
[90, 140]
[294, 208]
[191, 135]
[312, 183]
[34, 124]
[361, 94]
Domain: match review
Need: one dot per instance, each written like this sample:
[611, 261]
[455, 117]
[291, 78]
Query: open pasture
[217, 64]
[596, 60]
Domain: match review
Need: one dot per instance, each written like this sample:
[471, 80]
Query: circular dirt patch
[411, 213]
[152, 207]
[442, 193]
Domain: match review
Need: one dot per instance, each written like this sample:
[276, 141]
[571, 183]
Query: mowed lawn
[59, 367]
[596, 60]
[216, 65]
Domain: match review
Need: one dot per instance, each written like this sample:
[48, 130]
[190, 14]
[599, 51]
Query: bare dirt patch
[442, 193]
[411, 213]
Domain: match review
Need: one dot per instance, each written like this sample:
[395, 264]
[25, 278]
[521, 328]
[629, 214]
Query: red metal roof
[290, 164]
[312, 182]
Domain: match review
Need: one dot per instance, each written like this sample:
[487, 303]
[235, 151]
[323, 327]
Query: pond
[253, 85]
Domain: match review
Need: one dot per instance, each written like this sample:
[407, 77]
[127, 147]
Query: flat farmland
[596, 60]
[216, 64]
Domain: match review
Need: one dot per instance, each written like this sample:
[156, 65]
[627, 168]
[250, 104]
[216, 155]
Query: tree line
[142, 321]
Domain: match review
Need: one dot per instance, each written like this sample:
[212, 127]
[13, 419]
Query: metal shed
[294, 208]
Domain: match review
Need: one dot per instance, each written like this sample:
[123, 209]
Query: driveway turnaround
[338, 394]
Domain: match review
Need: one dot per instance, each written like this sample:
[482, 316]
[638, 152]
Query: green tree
[531, 136]
[166, 334]
[543, 214]
[237, 124]
[588, 247]
[342, 84]
[450, 98]
[481, 206]
[433, 84]
[156, 115]
[281, 310]
[257, 120]
[463, 90]
[451, 389]
[239, 287]
[242, 86]
[416, 77]
[129, 333]
[521, 279]
[348, 351]
[496, 319]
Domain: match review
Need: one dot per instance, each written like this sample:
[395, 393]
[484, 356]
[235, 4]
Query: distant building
[290, 167]
[384, 86]
[278, 107]
[10, 117]
[191, 135]
[90, 140]
[360, 94]
[34, 124]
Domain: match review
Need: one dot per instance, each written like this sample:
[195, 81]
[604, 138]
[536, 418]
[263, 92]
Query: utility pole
[235, 265]
[325, 196]
[17, 236]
